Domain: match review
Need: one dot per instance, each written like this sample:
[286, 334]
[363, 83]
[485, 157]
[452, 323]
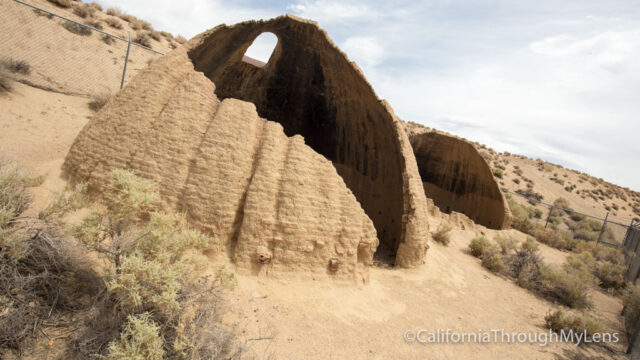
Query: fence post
[549, 216]
[126, 60]
[604, 225]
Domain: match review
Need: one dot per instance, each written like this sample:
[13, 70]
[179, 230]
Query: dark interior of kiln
[310, 88]
[457, 178]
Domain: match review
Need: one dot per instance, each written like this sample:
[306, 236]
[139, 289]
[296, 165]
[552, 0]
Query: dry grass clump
[506, 244]
[181, 39]
[559, 321]
[107, 40]
[16, 66]
[77, 28]
[95, 6]
[94, 23]
[143, 39]
[113, 22]
[478, 245]
[61, 3]
[492, 259]
[442, 234]
[154, 35]
[6, 83]
[83, 10]
[101, 100]
[555, 238]
[113, 11]
[499, 173]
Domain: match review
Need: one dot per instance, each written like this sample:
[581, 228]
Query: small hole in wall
[260, 51]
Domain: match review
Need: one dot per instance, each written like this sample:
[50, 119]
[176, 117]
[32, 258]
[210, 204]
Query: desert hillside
[130, 275]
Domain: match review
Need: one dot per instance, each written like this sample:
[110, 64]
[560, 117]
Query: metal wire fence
[580, 225]
[65, 54]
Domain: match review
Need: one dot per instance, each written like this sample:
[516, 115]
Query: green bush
[499, 173]
[569, 285]
[140, 340]
[554, 238]
[478, 245]
[442, 234]
[155, 267]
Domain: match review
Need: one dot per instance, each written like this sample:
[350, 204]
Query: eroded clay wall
[311, 88]
[265, 196]
[458, 179]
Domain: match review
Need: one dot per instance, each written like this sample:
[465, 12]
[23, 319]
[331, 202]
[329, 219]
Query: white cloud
[328, 11]
[366, 51]
[190, 17]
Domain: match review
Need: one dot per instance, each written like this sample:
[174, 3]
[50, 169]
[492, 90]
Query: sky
[556, 80]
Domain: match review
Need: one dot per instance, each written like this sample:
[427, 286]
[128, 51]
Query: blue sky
[559, 80]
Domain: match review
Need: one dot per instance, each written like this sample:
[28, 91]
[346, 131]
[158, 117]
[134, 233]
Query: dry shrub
[442, 234]
[16, 66]
[499, 173]
[568, 286]
[42, 277]
[101, 100]
[167, 35]
[507, 245]
[492, 259]
[95, 6]
[77, 28]
[559, 321]
[140, 339]
[94, 23]
[114, 23]
[478, 245]
[181, 39]
[154, 35]
[555, 238]
[107, 39]
[5, 82]
[610, 274]
[156, 288]
[83, 10]
[113, 11]
[42, 13]
[143, 39]
[61, 3]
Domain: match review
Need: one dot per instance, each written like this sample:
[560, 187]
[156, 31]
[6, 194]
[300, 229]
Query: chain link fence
[560, 216]
[70, 54]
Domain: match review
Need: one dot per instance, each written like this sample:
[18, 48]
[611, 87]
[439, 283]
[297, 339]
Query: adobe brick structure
[457, 178]
[222, 139]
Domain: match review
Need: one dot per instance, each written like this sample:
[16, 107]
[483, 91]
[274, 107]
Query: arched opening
[260, 51]
[457, 178]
